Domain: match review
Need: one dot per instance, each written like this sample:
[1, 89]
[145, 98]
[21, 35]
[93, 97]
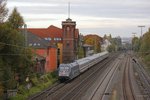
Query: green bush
[54, 74]
[147, 59]
[34, 81]
[39, 83]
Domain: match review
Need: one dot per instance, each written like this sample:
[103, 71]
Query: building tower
[69, 42]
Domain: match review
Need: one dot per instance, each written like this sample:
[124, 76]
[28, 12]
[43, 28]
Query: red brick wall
[41, 52]
[51, 60]
[68, 28]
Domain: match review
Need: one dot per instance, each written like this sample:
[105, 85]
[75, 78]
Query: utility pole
[134, 34]
[25, 44]
[141, 26]
[25, 34]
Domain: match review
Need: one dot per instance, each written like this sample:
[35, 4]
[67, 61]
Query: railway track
[128, 92]
[47, 92]
[144, 79]
[104, 83]
[74, 91]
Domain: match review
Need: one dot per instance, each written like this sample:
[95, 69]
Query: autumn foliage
[93, 40]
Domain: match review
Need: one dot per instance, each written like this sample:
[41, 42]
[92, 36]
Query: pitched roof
[51, 31]
[35, 41]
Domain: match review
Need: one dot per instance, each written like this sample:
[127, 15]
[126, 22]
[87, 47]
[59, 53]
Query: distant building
[88, 50]
[39, 45]
[93, 40]
[45, 56]
[105, 45]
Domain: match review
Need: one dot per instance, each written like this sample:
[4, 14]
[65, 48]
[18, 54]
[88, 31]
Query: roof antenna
[68, 10]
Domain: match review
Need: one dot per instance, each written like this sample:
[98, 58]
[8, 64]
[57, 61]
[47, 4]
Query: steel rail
[83, 82]
[128, 92]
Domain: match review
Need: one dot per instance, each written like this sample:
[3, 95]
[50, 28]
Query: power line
[12, 45]
[12, 54]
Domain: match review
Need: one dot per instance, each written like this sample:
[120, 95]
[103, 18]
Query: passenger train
[72, 70]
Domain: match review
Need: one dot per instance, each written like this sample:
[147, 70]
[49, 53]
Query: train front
[64, 72]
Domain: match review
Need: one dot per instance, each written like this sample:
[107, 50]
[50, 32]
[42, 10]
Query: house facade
[50, 45]
[105, 45]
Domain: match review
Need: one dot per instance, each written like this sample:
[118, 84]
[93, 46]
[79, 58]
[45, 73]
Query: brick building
[70, 40]
[53, 45]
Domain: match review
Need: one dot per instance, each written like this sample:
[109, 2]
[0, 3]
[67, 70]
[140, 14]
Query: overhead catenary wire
[12, 45]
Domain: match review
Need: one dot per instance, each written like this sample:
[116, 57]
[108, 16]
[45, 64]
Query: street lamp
[141, 26]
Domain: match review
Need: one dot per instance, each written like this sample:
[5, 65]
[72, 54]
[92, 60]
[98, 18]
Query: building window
[38, 44]
[45, 38]
[68, 28]
[57, 39]
[30, 44]
[34, 44]
[49, 39]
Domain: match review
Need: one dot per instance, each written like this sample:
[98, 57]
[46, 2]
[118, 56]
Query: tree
[145, 47]
[110, 37]
[105, 36]
[136, 44]
[94, 40]
[15, 19]
[116, 43]
[3, 10]
[111, 48]
[15, 58]
[145, 40]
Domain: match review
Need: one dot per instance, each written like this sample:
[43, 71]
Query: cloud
[97, 16]
[30, 4]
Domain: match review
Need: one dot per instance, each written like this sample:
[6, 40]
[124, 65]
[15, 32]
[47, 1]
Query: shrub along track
[42, 95]
[143, 79]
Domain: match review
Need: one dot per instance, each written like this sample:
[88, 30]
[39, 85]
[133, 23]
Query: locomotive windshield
[64, 70]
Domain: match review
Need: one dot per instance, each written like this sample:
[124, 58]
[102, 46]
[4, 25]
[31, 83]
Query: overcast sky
[116, 17]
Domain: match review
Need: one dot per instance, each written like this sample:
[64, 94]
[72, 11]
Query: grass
[147, 59]
[39, 84]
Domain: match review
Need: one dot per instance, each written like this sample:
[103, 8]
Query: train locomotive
[72, 70]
